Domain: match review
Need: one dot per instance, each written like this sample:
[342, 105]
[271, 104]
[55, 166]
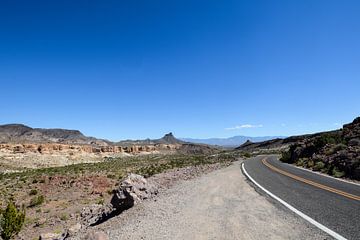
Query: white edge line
[304, 216]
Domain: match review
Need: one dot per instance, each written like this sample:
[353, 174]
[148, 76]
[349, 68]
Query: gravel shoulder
[216, 205]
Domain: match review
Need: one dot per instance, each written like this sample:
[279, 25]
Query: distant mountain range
[231, 141]
[19, 133]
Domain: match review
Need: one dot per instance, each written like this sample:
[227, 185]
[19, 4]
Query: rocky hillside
[23, 147]
[231, 142]
[18, 133]
[336, 153]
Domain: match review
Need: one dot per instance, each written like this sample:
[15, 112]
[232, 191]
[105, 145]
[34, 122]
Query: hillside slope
[231, 141]
[19, 133]
[336, 153]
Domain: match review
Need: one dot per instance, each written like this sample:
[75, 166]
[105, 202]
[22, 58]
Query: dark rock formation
[336, 153]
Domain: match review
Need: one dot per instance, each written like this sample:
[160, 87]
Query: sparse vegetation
[36, 201]
[319, 166]
[80, 178]
[64, 217]
[11, 221]
[33, 192]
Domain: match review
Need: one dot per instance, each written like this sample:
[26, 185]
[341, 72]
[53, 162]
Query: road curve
[333, 203]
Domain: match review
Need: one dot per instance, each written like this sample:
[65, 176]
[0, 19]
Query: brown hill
[18, 133]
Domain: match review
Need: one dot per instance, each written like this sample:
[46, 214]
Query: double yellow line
[330, 189]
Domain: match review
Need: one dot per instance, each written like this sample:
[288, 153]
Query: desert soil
[217, 205]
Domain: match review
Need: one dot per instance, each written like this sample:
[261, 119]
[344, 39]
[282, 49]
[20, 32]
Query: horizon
[177, 137]
[130, 70]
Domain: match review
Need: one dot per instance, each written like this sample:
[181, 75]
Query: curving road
[331, 202]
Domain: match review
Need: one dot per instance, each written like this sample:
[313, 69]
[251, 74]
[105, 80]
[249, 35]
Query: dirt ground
[218, 205]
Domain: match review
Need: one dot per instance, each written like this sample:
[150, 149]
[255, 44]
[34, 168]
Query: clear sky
[137, 69]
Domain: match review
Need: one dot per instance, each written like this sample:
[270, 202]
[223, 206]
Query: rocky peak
[170, 139]
[248, 142]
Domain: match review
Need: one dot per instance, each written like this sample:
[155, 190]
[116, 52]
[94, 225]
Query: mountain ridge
[231, 141]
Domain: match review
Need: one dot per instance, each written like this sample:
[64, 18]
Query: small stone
[40, 222]
[74, 229]
[96, 236]
[53, 236]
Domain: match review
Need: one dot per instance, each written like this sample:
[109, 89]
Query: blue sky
[137, 69]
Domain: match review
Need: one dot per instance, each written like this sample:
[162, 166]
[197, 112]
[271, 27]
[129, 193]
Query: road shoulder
[217, 205]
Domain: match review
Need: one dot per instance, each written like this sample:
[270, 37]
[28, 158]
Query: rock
[40, 222]
[53, 236]
[133, 190]
[95, 213]
[354, 142]
[74, 229]
[96, 236]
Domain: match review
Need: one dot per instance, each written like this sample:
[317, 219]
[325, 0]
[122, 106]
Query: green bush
[337, 173]
[33, 192]
[11, 221]
[286, 156]
[247, 155]
[36, 201]
[319, 166]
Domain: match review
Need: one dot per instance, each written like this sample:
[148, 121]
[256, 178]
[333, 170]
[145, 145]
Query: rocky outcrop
[131, 191]
[49, 148]
[336, 153]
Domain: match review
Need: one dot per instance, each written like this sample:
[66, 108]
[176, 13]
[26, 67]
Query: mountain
[19, 133]
[231, 141]
[166, 139]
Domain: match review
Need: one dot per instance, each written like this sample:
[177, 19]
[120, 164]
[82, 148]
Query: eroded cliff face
[20, 156]
[49, 148]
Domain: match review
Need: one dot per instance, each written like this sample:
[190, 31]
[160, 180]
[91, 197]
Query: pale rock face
[34, 155]
[131, 191]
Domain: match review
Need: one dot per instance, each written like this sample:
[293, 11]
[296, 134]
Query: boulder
[131, 191]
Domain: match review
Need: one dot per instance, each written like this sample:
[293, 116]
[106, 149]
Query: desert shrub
[319, 166]
[286, 156]
[11, 221]
[328, 138]
[310, 163]
[247, 155]
[300, 162]
[36, 201]
[339, 147]
[64, 217]
[33, 192]
[337, 173]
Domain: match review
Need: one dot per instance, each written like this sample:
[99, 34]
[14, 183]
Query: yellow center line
[330, 189]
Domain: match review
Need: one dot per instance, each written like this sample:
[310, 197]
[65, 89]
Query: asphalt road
[337, 208]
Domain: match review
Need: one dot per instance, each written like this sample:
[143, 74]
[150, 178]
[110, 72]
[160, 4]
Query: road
[331, 202]
[218, 205]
